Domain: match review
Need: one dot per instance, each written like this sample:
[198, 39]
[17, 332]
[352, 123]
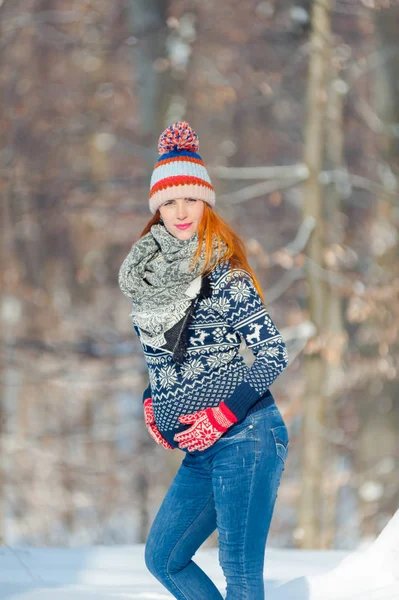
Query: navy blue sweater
[213, 369]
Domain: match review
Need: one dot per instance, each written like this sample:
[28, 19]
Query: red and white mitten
[151, 426]
[207, 427]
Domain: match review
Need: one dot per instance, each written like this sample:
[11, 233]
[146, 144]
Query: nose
[181, 211]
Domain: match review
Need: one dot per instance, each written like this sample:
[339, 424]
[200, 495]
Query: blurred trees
[86, 91]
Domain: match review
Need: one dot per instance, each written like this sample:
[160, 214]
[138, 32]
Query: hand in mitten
[207, 427]
[151, 426]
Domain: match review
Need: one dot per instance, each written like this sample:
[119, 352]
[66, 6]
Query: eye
[192, 199]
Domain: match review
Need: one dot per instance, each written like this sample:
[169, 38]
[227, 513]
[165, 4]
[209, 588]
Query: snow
[119, 572]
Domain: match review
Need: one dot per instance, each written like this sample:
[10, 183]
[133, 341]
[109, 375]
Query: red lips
[185, 226]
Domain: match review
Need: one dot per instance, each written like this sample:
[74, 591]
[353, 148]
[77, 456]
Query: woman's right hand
[151, 426]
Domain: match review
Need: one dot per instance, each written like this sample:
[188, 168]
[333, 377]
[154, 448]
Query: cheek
[166, 216]
[199, 211]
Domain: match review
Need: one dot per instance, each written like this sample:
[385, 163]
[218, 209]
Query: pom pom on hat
[179, 136]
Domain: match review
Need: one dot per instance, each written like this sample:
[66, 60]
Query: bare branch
[370, 117]
[277, 290]
[299, 242]
[299, 170]
[46, 16]
[257, 190]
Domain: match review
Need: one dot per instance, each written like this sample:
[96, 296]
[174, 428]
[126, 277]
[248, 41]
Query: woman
[194, 299]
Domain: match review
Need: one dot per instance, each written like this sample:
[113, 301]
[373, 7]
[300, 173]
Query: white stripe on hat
[179, 167]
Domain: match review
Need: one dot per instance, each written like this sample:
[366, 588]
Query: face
[182, 211]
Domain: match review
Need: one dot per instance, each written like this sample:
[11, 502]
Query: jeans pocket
[281, 440]
[238, 430]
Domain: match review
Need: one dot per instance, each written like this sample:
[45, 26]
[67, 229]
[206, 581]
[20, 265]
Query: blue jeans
[231, 486]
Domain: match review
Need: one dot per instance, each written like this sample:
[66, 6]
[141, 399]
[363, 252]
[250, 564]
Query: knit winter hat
[179, 171]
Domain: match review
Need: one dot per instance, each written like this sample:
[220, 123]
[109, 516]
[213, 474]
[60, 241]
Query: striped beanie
[179, 171]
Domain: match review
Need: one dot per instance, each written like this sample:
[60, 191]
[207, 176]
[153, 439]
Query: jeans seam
[178, 542]
[276, 443]
[247, 513]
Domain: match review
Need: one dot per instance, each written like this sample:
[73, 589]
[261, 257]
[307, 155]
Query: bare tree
[312, 465]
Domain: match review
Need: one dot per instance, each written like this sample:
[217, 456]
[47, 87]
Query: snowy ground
[105, 573]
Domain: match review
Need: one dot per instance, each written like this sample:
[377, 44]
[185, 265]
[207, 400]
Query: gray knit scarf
[156, 275]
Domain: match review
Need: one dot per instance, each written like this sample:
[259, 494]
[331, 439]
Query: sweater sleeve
[241, 307]
[147, 392]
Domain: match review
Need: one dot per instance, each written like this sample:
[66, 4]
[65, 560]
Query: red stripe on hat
[178, 180]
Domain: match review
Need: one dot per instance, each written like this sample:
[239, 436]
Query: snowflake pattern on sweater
[213, 369]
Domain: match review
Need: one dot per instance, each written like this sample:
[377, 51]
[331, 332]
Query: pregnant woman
[194, 300]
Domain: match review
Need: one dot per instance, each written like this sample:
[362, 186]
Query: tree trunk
[147, 21]
[312, 465]
[336, 334]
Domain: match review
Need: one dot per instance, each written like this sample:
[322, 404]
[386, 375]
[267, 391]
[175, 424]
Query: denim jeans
[231, 486]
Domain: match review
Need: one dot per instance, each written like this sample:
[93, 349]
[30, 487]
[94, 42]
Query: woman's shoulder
[224, 273]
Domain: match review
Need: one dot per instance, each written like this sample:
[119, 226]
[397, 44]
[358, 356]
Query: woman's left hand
[207, 427]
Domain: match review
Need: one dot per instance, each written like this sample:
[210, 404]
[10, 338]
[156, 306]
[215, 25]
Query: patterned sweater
[213, 369]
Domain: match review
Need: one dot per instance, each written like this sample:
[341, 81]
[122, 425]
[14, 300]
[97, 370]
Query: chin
[187, 235]
[184, 235]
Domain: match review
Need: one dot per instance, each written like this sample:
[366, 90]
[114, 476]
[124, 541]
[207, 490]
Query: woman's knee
[158, 557]
[154, 558]
[164, 561]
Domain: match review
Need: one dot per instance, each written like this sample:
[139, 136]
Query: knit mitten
[207, 427]
[151, 426]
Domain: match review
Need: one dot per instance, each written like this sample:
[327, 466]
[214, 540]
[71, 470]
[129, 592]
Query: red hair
[211, 223]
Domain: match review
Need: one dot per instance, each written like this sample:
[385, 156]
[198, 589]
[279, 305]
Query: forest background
[296, 107]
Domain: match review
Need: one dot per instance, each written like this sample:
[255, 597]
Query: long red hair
[211, 223]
